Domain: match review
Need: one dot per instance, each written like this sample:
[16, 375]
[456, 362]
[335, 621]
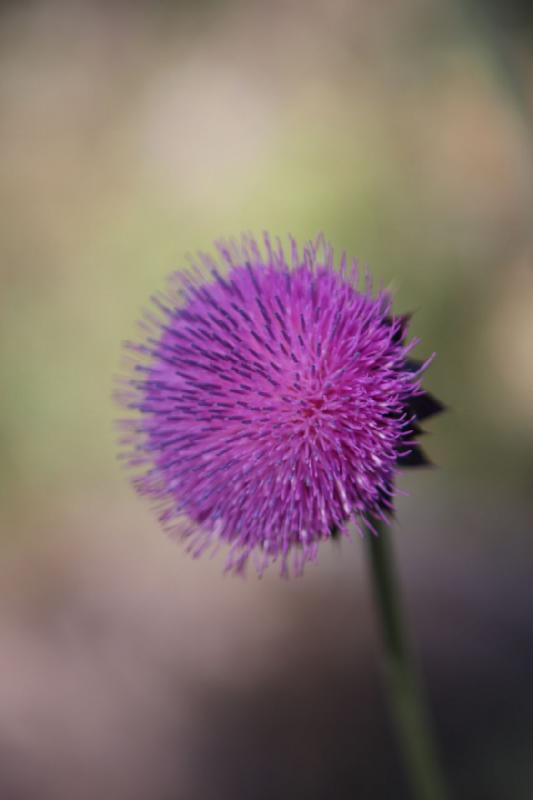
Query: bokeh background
[132, 133]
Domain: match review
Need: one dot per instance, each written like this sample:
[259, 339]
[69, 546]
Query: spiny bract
[273, 400]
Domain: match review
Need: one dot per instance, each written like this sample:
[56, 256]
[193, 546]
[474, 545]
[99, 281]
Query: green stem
[408, 708]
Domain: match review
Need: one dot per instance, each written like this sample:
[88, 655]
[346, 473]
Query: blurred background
[132, 133]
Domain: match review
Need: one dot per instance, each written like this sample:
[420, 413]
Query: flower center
[313, 405]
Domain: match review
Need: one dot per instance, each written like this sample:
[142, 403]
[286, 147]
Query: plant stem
[408, 708]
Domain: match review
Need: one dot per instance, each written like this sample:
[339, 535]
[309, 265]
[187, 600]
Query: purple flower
[274, 402]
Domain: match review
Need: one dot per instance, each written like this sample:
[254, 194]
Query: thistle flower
[274, 401]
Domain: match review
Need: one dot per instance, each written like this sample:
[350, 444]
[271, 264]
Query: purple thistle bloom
[274, 403]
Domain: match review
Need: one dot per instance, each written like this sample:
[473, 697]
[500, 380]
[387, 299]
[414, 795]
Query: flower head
[273, 400]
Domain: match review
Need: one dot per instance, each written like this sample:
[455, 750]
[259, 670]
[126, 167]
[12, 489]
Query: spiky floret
[273, 401]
